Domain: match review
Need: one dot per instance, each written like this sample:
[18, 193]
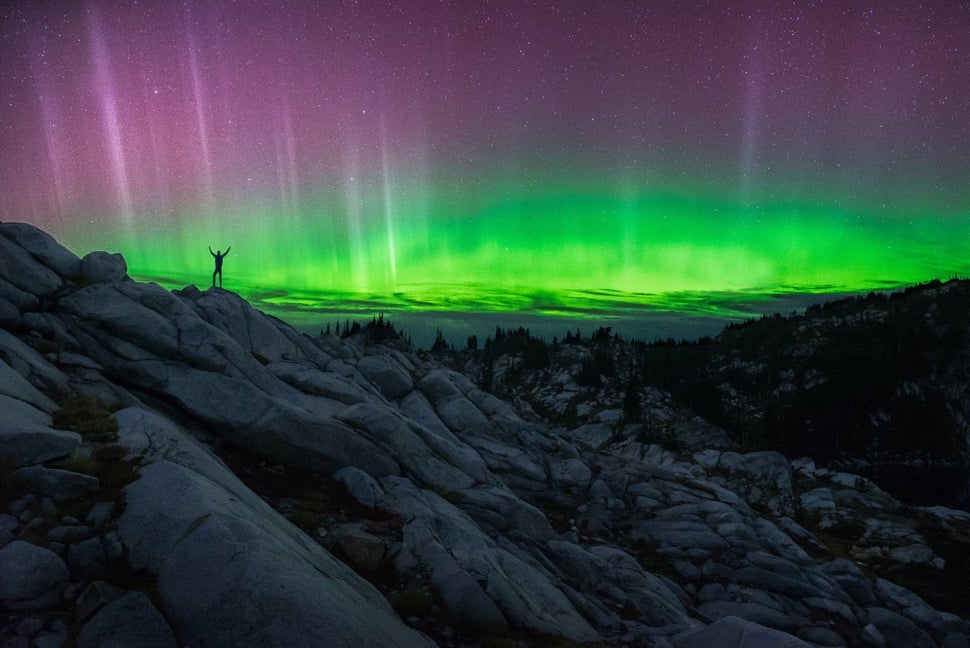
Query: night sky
[563, 158]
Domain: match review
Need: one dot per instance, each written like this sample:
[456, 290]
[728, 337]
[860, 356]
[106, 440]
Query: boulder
[24, 445]
[460, 591]
[734, 632]
[19, 299]
[99, 514]
[69, 533]
[462, 416]
[9, 314]
[438, 385]
[30, 576]
[59, 485]
[310, 380]
[914, 553]
[49, 639]
[256, 333]
[8, 522]
[130, 620]
[86, 559]
[572, 473]
[768, 480]
[685, 534]
[794, 586]
[102, 267]
[25, 274]
[452, 406]
[908, 603]
[708, 458]
[752, 611]
[803, 465]
[659, 603]
[135, 321]
[94, 597]
[14, 385]
[30, 364]
[463, 560]
[488, 584]
[361, 486]
[529, 467]
[899, 631]
[592, 436]
[442, 440]
[274, 426]
[851, 580]
[385, 374]
[363, 550]
[43, 247]
[822, 637]
[871, 635]
[18, 413]
[504, 511]
[399, 438]
[233, 572]
[818, 500]
[154, 341]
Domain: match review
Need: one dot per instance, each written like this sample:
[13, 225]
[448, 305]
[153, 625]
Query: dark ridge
[877, 383]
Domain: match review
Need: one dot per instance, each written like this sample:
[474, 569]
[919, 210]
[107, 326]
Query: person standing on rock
[219, 255]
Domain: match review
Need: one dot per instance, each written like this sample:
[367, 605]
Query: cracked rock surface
[182, 463]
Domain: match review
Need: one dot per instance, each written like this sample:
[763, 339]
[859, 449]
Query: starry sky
[571, 159]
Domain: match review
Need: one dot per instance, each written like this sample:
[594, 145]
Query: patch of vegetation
[121, 574]
[837, 539]
[316, 495]
[83, 463]
[472, 627]
[877, 378]
[450, 496]
[946, 589]
[311, 500]
[523, 352]
[649, 558]
[533, 350]
[601, 366]
[312, 506]
[376, 331]
[88, 417]
[411, 601]
[570, 415]
[35, 532]
[113, 471]
[561, 518]
[8, 490]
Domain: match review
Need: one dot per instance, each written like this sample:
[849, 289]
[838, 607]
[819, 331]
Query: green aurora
[543, 250]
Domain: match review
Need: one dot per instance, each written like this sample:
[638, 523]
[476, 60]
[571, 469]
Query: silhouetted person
[219, 255]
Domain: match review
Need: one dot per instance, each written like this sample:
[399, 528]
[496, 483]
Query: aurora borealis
[559, 158]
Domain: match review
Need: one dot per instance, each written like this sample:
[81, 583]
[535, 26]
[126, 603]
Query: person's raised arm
[211, 252]
[227, 251]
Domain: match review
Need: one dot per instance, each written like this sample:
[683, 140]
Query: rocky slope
[183, 469]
